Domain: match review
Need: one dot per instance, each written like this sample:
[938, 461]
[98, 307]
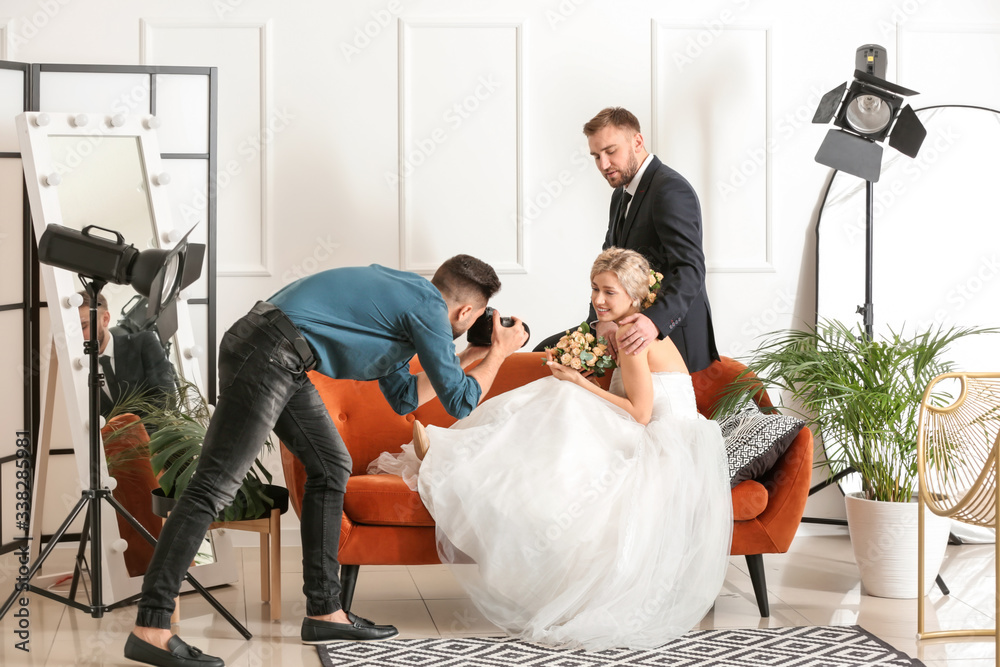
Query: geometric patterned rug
[813, 646]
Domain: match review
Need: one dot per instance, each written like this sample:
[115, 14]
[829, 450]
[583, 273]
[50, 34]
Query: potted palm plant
[862, 396]
[175, 448]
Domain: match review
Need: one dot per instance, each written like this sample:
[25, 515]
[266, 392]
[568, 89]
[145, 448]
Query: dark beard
[631, 169]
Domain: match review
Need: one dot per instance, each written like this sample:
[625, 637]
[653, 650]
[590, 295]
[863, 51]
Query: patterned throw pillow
[754, 441]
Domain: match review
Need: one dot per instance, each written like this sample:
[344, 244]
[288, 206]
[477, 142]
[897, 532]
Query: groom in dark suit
[132, 363]
[655, 212]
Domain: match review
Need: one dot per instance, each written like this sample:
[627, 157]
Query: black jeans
[263, 385]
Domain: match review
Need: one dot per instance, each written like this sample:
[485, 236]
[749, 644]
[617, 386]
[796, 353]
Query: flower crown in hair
[655, 282]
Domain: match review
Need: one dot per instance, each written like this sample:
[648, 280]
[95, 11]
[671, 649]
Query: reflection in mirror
[82, 173]
[103, 183]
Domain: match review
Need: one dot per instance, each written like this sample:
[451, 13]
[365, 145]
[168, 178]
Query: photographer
[359, 323]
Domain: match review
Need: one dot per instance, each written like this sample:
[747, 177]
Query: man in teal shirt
[359, 323]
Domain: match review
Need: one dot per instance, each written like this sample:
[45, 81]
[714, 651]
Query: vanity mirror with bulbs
[92, 168]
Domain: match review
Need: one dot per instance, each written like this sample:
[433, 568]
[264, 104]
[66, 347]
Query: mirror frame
[34, 129]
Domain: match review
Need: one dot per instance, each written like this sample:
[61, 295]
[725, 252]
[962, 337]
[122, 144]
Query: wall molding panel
[242, 52]
[460, 175]
[723, 150]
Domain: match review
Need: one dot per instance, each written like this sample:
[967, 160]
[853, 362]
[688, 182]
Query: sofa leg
[348, 579]
[755, 563]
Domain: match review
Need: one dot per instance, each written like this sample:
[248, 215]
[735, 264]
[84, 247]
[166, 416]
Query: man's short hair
[465, 279]
[102, 301]
[620, 117]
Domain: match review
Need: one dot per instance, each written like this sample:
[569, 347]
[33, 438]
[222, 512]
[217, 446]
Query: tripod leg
[239, 627]
[84, 499]
[80, 560]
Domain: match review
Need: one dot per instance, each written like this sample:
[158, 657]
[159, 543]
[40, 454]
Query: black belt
[275, 316]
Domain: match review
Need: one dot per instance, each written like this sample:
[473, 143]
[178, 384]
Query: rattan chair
[957, 461]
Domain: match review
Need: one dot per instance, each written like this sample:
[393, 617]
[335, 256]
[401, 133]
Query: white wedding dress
[586, 528]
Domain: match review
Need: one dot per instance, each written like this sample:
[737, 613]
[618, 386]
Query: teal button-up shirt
[367, 322]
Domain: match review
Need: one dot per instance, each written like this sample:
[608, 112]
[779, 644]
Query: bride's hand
[608, 331]
[561, 372]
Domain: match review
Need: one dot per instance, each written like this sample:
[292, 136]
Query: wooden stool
[269, 528]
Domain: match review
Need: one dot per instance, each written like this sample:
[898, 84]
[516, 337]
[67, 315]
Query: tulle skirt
[570, 523]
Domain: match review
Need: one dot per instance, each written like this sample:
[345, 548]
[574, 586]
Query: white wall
[724, 90]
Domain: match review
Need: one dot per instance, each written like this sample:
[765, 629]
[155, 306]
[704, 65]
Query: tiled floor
[816, 583]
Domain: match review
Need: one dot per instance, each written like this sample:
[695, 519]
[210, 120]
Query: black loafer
[179, 654]
[323, 632]
[358, 619]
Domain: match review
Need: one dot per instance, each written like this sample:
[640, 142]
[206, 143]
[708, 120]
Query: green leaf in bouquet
[586, 356]
[584, 328]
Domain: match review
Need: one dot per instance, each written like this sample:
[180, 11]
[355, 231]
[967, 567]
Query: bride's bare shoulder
[664, 357]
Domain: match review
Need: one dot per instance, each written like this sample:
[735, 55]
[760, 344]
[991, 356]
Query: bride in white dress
[593, 518]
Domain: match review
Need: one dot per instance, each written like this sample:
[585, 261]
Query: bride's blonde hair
[631, 269]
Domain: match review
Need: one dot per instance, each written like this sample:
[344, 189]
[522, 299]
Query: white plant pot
[884, 537]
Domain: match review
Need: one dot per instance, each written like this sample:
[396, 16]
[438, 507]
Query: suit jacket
[140, 363]
[664, 225]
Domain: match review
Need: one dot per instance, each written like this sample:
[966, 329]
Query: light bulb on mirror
[193, 352]
[51, 180]
[152, 123]
[119, 545]
[163, 178]
[81, 362]
[117, 120]
[173, 236]
[42, 119]
[74, 300]
[80, 120]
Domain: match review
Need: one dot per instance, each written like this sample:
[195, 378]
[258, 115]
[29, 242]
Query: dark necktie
[109, 376]
[619, 228]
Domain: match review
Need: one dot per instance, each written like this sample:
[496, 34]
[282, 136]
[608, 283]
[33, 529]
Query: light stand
[92, 496]
[870, 112]
[868, 317]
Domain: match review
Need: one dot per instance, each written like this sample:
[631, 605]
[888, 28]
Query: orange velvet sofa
[385, 523]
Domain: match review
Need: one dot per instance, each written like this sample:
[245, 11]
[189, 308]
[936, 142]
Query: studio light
[157, 274]
[871, 110]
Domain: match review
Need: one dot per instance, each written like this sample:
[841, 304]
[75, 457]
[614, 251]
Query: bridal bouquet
[655, 282]
[582, 351]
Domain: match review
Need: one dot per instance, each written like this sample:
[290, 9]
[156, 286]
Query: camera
[481, 331]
